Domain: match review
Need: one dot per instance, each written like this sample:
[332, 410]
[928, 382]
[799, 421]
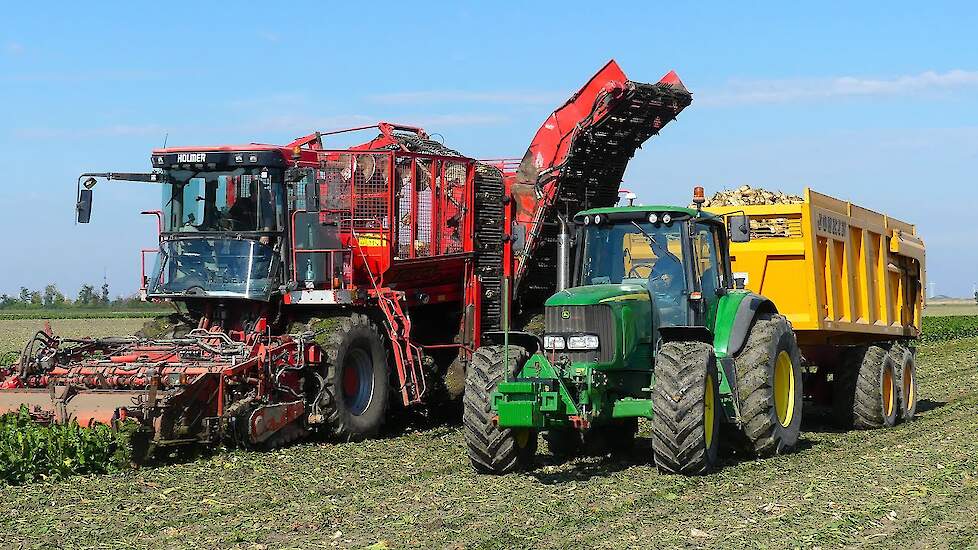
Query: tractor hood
[598, 294]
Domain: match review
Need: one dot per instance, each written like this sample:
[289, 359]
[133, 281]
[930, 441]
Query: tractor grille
[584, 320]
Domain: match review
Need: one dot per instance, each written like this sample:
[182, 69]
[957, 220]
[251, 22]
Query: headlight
[553, 342]
[587, 341]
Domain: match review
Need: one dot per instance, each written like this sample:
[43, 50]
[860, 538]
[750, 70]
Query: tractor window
[707, 261]
[641, 253]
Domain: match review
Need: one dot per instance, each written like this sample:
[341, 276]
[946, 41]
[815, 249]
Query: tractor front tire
[491, 449]
[685, 402]
[356, 374]
[769, 384]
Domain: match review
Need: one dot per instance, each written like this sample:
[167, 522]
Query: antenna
[166, 136]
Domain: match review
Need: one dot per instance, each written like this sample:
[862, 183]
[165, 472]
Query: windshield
[235, 200]
[214, 267]
[640, 253]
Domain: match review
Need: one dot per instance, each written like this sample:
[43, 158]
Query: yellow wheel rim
[888, 387]
[908, 392]
[784, 389]
[708, 411]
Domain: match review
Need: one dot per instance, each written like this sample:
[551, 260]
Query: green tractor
[652, 324]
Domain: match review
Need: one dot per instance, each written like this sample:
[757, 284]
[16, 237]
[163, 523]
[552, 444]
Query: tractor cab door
[317, 255]
[709, 270]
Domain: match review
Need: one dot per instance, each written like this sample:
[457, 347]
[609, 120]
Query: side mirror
[739, 228]
[84, 206]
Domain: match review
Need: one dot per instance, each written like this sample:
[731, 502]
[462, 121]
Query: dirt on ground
[915, 485]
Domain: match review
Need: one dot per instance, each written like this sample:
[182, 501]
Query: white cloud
[457, 96]
[744, 92]
[13, 48]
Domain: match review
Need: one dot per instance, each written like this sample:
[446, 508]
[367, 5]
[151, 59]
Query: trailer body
[842, 274]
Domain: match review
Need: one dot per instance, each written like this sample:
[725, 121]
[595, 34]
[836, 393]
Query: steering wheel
[634, 274]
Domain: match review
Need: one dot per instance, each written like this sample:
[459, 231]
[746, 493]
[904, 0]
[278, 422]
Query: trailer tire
[686, 405]
[875, 395]
[906, 379]
[491, 449]
[769, 385]
[356, 373]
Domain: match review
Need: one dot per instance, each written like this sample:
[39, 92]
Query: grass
[944, 309]
[78, 313]
[916, 484]
[15, 333]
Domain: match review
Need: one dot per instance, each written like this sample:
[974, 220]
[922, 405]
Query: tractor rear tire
[686, 402]
[769, 384]
[356, 374]
[870, 382]
[491, 449]
[906, 377]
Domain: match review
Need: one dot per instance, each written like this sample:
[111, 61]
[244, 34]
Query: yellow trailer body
[841, 273]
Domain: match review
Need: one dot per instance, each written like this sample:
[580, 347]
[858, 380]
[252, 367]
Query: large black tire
[686, 402]
[493, 450]
[769, 385]
[356, 375]
[870, 379]
[905, 363]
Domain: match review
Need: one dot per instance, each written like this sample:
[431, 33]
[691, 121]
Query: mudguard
[735, 316]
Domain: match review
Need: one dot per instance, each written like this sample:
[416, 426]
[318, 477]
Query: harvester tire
[491, 449]
[906, 378]
[356, 373]
[686, 405]
[769, 385]
[869, 386]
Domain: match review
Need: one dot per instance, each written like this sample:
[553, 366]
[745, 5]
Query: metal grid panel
[371, 183]
[333, 177]
[454, 177]
[403, 201]
[424, 180]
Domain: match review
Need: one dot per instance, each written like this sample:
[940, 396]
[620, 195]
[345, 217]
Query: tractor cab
[678, 255]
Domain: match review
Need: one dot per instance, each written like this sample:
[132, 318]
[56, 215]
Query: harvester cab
[651, 326]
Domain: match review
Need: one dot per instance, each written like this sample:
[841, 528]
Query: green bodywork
[551, 391]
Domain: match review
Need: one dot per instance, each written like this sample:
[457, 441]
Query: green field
[951, 308]
[915, 485]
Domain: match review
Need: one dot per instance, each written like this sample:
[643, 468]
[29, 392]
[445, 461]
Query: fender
[734, 318]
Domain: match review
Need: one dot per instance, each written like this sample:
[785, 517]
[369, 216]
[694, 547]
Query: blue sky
[871, 102]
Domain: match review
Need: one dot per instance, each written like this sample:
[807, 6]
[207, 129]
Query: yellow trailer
[851, 282]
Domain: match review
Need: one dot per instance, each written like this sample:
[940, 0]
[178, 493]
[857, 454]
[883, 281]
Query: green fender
[735, 314]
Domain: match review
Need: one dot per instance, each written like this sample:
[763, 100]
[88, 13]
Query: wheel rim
[709, 411]
[909, 395]
[888, 387]
[522, 438]
[784, 389]
[358, 386]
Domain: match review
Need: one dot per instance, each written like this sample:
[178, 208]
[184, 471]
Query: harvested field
[916, 484]
[951, 308]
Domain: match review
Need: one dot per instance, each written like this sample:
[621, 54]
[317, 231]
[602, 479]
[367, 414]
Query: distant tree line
[52, 298]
